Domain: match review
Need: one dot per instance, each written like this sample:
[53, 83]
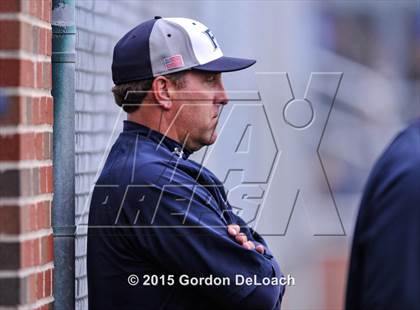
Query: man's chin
[213, 138]
[210, 140]
[204, 142]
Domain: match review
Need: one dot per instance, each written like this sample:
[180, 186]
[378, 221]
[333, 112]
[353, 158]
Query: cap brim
[226, 64]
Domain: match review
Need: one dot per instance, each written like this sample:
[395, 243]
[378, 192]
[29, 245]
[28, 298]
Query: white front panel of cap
[204, 44]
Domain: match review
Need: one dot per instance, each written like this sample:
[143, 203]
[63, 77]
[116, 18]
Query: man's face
[198, 105]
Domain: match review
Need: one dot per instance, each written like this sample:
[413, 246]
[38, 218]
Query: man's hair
[142, 87]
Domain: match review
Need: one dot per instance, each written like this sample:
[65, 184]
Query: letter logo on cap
[212, 38]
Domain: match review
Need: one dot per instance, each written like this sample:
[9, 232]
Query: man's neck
[159, 124]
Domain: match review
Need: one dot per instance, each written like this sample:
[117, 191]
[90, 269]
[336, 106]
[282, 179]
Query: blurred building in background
[333, 83]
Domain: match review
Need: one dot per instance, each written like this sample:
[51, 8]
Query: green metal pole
[63, 211]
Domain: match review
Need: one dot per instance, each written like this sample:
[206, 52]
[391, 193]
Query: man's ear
[161, 91]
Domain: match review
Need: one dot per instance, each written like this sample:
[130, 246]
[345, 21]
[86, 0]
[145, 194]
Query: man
[385, 260]
[157, 218]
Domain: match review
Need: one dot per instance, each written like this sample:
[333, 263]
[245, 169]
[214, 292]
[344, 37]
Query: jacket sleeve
[256, 237]
[186, 234]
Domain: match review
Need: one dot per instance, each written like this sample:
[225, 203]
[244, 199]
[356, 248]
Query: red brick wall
[26, 181]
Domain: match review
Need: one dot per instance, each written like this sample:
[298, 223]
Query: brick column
[26, 181]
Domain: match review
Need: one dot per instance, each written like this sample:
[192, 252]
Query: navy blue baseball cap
[166, 45]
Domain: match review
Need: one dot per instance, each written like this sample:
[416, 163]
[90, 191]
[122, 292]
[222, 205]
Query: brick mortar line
[37, 304]
[24, 164]
[26, 91]
[26, 271]
[11, 130]
[29, 19]
[23, 201]
[26, 236]
[24, 55]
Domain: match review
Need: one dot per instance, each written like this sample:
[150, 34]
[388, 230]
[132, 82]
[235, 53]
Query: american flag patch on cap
[173, 62]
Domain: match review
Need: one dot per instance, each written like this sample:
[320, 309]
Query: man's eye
[211, 78]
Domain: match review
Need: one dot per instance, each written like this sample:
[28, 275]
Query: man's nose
[222, 97]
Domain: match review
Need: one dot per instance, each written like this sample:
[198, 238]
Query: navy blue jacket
[155, 212]
[385, 260]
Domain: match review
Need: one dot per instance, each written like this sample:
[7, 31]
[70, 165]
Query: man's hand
[241, 238]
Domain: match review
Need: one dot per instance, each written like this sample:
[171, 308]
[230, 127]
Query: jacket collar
[173, 146]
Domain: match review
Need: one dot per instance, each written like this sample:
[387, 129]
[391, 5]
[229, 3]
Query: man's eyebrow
[209, 74]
